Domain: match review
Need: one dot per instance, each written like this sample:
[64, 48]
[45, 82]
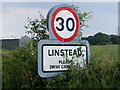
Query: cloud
[15, 19]
[102, 22]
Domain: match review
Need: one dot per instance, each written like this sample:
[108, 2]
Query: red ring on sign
[52, 24]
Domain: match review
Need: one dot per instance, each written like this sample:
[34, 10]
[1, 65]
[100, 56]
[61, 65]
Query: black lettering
[66, 51]
[74, 52]
[57, 52]
[53, 53]
[70, 52]
[65, 66]
[60, 61]
[62, 53]
[62, 66]
[79, 52]
[49, 53]
[52, 66]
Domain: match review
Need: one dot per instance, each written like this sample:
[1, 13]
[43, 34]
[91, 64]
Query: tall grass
[104, 71]
[20, 70]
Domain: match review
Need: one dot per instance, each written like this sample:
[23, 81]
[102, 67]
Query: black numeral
[62, 24]
[72, 25]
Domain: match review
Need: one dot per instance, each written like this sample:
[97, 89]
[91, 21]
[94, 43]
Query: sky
[14, 16]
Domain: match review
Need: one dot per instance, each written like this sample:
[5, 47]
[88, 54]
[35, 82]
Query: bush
[20, 70]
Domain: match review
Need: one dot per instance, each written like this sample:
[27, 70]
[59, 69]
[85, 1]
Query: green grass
[108, 50]
[20, 70]
[104, 71]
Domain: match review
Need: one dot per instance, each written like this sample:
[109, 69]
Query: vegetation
[20, 70]
[102, 39]
[19, 67]
[37, 28]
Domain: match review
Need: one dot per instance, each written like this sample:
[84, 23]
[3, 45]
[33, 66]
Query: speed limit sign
[55, 53]
[63, 22]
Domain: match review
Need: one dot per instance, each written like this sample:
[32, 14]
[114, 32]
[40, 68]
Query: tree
[102, 39]
[37, 28]
[114, 39]
[91, 41]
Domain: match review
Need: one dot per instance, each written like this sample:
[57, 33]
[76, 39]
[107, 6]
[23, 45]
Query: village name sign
[64, 26]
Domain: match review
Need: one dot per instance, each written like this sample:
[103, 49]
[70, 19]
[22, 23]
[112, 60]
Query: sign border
[77, 23]
[49, 17]
[62, 45]
[47, 41]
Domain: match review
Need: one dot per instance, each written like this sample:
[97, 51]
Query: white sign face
[54, 57]
[69, 24]
[65, 23]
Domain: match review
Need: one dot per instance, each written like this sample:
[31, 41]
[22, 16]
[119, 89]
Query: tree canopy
[102, 39]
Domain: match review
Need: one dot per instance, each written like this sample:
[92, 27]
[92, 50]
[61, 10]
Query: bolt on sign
[56, 54]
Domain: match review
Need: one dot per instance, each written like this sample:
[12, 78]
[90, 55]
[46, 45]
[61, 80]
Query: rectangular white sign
[58, 57]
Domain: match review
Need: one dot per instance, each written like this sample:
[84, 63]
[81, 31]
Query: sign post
[64, 25]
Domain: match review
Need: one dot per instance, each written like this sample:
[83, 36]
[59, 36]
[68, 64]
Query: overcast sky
[14, 16]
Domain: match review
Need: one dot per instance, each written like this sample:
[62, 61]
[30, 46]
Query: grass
[104, 71]
[20, 70]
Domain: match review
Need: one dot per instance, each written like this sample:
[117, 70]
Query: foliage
[20, 65]
[3, 46]
[102, 39]
[114, 39]
[103, 72]
[84, 17]
[20, 70]
[37, 28]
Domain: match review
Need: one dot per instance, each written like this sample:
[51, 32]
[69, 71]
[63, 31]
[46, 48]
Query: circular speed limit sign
[64, 22]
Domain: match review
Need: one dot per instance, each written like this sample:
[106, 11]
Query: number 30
[62, 24]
